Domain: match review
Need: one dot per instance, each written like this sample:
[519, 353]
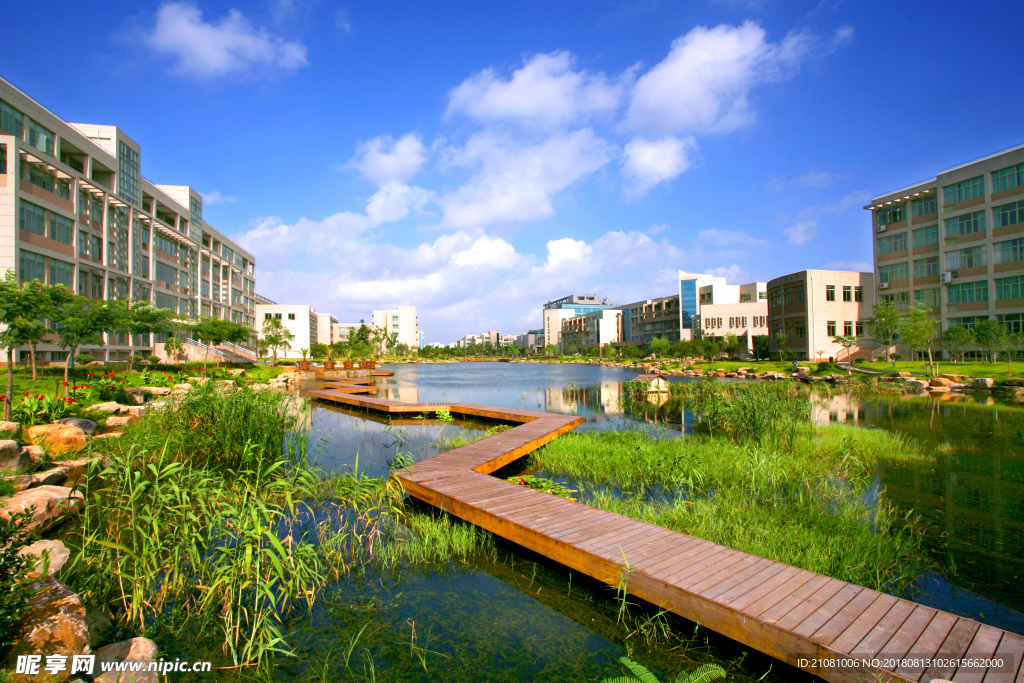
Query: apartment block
[76, 210]
[401, 320]
[642, 322]
[592, 330]
[709, 303]
[532, 340]
[813, 307]
[956, 242]
[557, 311]
[341, 331]
[302, 321]
[325, 324]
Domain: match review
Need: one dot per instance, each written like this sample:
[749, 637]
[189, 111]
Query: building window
[894, 214]
[165, 245]
[762, 296]
[746, 297]
[41, 138]
[3, 159]
[1014, 322]
[860, 328]
[924, 206]
[798, 295]
[830, 292]
[967, 293]
[1007, 214]
[801, 330]
[848, 328]
[97, 248]
[964, 190]
[890, 244]
[83, 244]
[31, 217]
[894, 272]
[31, 266]
[928, 297]
[830, 328]
[967, 224]
[926, 267]
[1009, 251]
[97, 286]
[58, 356]
[166, 273]
[1009, 288]
[62, 272]
[1007, 178]
[61, 229]
[972, 257]
[847, 293]
[898, 299]
[291, 316]
[164, 300]
[924, 237]
[858, 294]
[128, 173]
[10, 120]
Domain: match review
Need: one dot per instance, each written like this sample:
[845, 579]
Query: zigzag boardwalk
[797, 616]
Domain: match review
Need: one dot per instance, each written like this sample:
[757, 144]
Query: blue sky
[478, 159]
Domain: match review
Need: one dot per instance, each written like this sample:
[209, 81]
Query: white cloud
[215, 197]
[703, 85]
[382, 158]
[859, 266]
[734, 274]
[487, 251]
[342, 21]
[545, 91]
[230, 46]
[649, 162]
[393, 202]
[515, 182]
[729, 238]
[801, 233]
[812, 179]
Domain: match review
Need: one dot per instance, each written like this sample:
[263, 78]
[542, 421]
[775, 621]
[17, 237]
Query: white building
[401, 320]
[591, 330]
[325, 324]
[300, 320]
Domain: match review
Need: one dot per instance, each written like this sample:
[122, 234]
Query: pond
[511, 615]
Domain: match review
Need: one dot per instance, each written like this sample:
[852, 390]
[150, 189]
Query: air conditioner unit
[883, 285]
[882, 228]
[947, 277]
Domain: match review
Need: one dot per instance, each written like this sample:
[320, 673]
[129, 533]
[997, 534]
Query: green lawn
[971, 368]
[754, 366]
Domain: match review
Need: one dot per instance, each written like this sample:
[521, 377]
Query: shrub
[14, 587]
[153, 360]
[83, 359]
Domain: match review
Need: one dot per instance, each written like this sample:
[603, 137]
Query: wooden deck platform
[839, 631]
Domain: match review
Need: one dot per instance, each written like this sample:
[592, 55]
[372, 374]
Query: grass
[995, 370]
[759, 478]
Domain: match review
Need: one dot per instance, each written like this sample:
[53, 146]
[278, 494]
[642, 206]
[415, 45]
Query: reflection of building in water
[399, 392]
[572, 400]
[839, 408]
[611, 398]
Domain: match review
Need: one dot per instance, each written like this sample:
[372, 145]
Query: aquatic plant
[702, 674]
[542, 484]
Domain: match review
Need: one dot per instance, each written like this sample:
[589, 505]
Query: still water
[515, 616]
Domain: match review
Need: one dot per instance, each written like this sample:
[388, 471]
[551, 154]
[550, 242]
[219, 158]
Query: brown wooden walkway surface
[797, 616]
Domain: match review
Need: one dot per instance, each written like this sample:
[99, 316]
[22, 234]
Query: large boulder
[120, 420]
[157, 391]
[236, 372]
[50, 505]
[1011, 382]
[136, 396]
[182, 388]
[53, 624]
[57, 439]
[100, 623]
[56, 555]
[109, 407]
[87, 426]
[940, 381]
[13, 458]
[983, 383]
[12, 428]
[54, 476]
[134, 650]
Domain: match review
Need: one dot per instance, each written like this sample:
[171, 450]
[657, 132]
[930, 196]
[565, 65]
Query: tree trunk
[67, 368]
[931, 362]
[32, 353]
[10, 384]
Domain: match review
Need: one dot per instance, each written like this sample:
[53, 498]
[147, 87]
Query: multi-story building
[301, 321]
[401, 320]
[325, 324]
[591, 330]
[964, 257]
[341, 331]
[532, 340]
[569, 307]
[507, 340]
[642, 322]
[76, 210]
[813, 307]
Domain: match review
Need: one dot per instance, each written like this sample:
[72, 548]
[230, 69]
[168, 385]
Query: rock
[940, 382]
[201, 381]
[101, 625]
[57, 554]
[260, 387]
[236, 372]
[109, 435]
[917, 384]
[13, 428]
[1011, 382]
[136, 396]
[36, 453]
[183, 387]
[51, 503]
[939, 390]
[57, 439]
[157, 391]
[53, 624]
[13, 458]
[134, 650]
[121, 421]
[87, 426]
[51, 477]
[76, 470]
[109, 407]
[138, 411]
[226, 385]
[983, 383]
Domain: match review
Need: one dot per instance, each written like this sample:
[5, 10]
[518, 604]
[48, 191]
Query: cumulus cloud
[227, 47]
[492, 252]
[393, 202]
[649, 162]
[729, 238]
[801, 233]
[215, 197]
[703, 85]
[806, 220]
[512, 181]
[733, 274]
[383, 158]
[545, 91]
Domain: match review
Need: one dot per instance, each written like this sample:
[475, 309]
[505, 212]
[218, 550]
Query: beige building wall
[402, 320]
[300, 320]
[553, 318]
[810, 308]
[956, 242]
[325, 324]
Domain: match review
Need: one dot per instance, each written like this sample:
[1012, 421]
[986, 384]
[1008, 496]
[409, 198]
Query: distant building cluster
[308, 327]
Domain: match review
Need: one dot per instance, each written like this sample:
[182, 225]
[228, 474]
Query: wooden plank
[717, 574]
[743, 582]
[880, 621]
[1011, 651]
[861, 613]
[789, 578]
[912, 666]
[875, 642]
[984, 646]
[816, 587]
[952, 648]
[817, 618]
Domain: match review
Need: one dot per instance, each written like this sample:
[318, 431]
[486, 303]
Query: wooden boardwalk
[836, 630]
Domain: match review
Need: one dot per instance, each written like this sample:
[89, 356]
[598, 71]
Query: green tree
[781, 341]
[956, 340]
[885, 324]
[847, 342]
[762, 342]
[1011, 342]
[18, 304]
[550, 349]
[917, 331]
[142, 317]
[991, 337]
[660, 346]
[318, 350]
[84, 321]
[173, 348]
[276, 336]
